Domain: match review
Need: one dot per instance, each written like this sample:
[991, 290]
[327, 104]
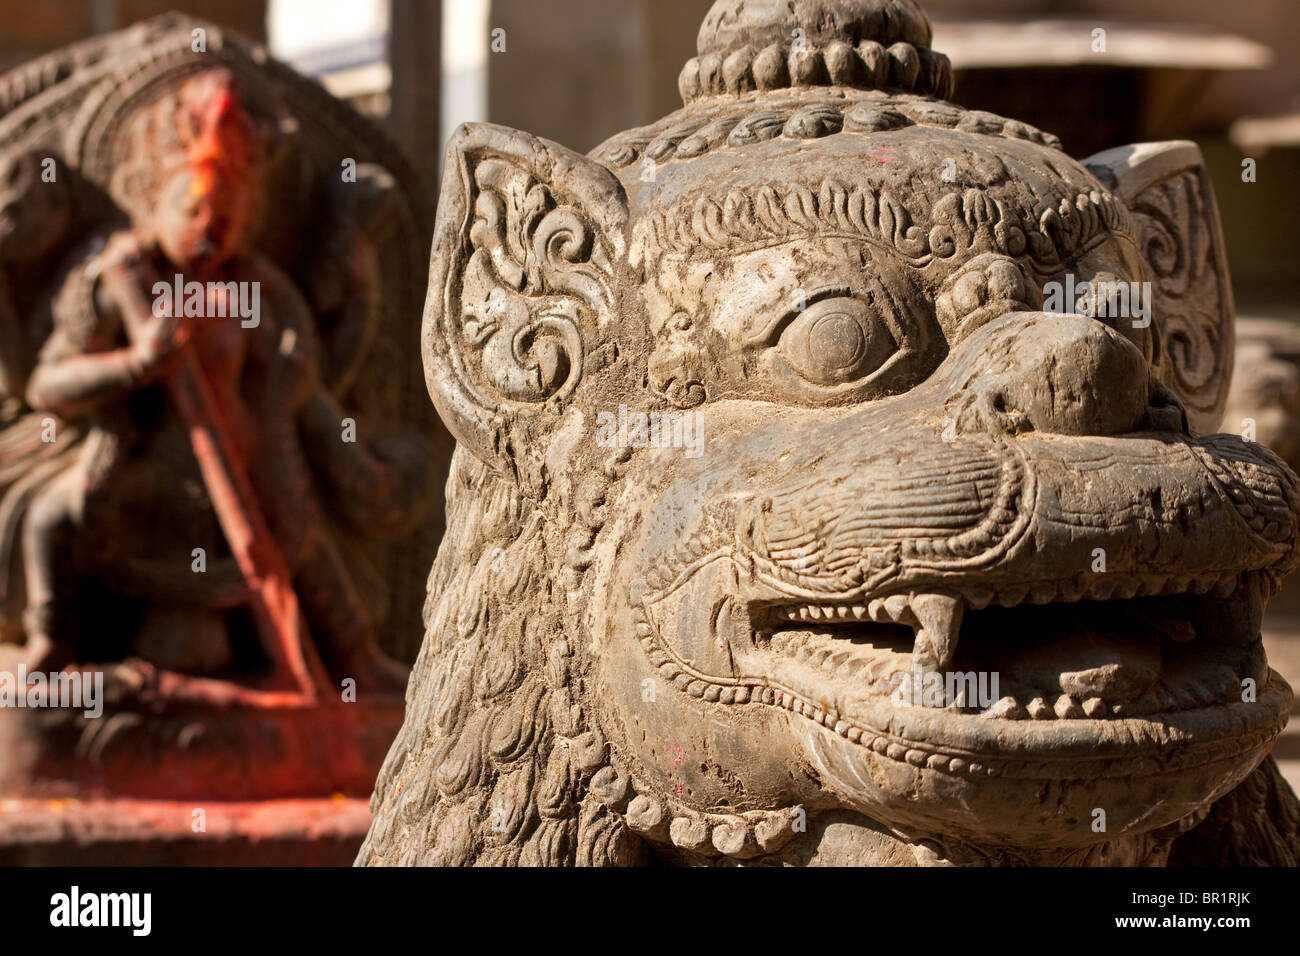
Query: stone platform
[179, 770]
[133, 832]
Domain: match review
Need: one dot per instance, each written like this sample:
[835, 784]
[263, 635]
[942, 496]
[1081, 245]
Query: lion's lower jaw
[839, 846]
[662, 827]
[844, 838]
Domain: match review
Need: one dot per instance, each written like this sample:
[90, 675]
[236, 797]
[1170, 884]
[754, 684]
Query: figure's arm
[72, 383]
[73, 377]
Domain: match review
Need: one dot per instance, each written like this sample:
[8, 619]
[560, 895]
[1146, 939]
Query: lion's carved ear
[522, 281]
[1166, 188]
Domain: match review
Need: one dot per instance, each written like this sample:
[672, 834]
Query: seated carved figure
[209, 466]
[946, 433]
[118, 329]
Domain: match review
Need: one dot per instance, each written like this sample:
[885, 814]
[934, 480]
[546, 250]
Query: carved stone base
[162, 747]
[178, 769]
[130, 832]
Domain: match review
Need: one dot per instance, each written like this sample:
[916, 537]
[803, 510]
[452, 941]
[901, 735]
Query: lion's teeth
[938, 618]
[1148, 703]
[1183, 698]
[1201, 694]
[1226, 586]
[1073, 589]
[1126, 588]
[1235, 619]
[1012, 594]
[1008, 708]
[1067, 708]
[1102, 588]
[1042, 593]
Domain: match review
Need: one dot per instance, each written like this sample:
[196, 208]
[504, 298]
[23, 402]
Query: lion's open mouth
[1108, 669]
[828, 596]
[1085, 659]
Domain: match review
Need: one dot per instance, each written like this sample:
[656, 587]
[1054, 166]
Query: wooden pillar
[415, 58]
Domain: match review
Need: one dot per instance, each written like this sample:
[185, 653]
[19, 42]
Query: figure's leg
[49, 531]
[341, 623]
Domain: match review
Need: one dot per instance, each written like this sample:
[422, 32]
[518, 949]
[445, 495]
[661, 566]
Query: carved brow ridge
[959, 222]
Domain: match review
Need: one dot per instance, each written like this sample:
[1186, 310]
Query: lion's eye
[836, 340]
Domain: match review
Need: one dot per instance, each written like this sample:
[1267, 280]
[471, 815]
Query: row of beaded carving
[869, 65]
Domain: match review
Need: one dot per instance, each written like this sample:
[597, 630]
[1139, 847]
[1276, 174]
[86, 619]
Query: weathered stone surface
[779, 412]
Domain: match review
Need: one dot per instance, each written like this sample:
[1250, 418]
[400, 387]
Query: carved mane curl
[492, 765]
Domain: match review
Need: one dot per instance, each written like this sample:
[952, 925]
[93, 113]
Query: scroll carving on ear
[522, 281]
[1169, 193]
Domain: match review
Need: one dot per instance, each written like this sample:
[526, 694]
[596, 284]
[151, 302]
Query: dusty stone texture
[879, 457]
[205, 498]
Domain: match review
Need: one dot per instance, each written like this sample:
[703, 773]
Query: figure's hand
[154, 332]
[155, 339]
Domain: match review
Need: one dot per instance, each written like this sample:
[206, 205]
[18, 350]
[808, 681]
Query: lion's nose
[1060, 374]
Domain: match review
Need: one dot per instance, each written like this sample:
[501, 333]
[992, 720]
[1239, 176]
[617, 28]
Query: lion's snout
[1057, 375]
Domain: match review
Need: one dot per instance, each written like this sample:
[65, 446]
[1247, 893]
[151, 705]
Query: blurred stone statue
[211, 465]
[1264, 404]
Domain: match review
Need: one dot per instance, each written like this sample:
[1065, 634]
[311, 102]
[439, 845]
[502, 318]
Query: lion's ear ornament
[522, 280]
[1168, 191]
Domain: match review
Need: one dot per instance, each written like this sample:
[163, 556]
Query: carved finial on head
[749, 45]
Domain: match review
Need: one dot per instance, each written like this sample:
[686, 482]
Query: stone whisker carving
[959, 573]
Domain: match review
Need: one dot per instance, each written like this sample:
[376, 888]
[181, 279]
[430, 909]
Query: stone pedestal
[183, 770]
[126, 831]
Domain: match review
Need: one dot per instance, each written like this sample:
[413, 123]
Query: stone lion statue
[836, 484]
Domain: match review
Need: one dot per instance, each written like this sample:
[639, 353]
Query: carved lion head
[813, 400]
